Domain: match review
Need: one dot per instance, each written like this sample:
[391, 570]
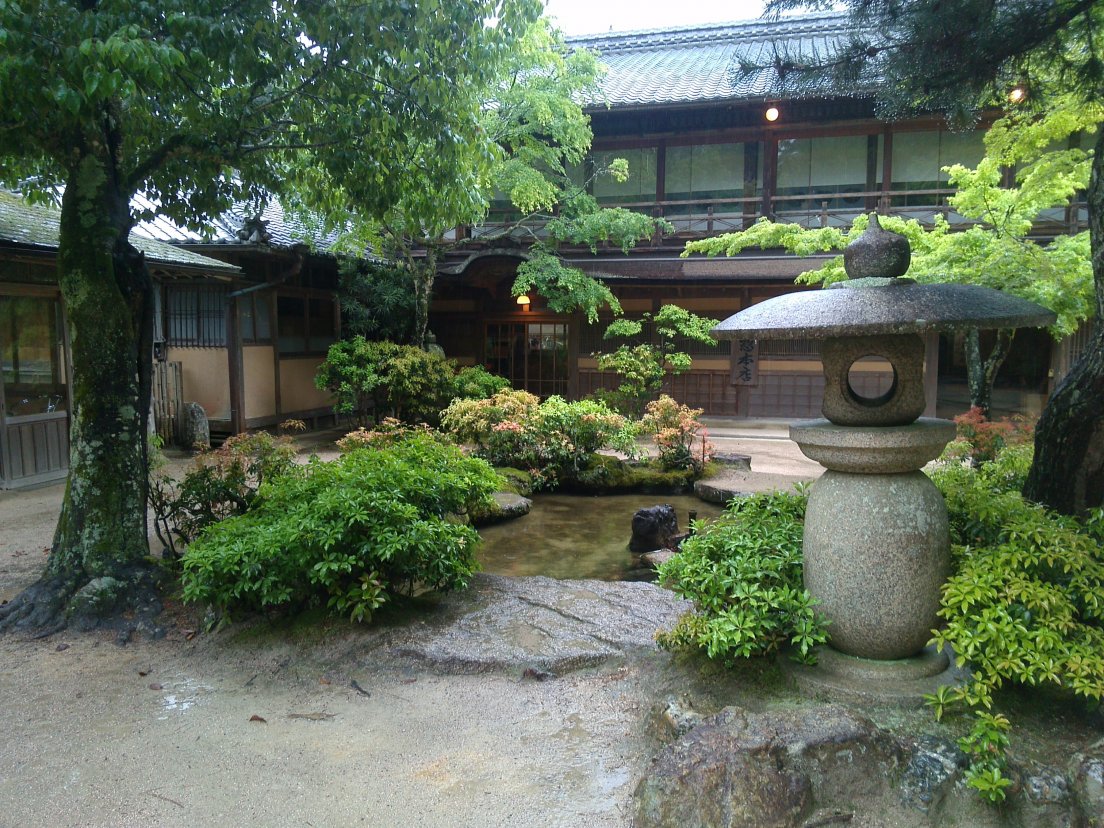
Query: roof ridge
[784, 26]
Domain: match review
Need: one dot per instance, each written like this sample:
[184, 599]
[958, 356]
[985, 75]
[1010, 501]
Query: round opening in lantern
[872, 380]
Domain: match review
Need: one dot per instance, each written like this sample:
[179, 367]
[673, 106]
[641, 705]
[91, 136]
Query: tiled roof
[281, 230]
[39, 226]
[701, 63]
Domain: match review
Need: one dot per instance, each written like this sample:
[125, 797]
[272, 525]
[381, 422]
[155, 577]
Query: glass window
[262, 318]
[196, 315]
[707, 171]
[32, 355]
[811, 168]
[320, 325]
[641, 183]
[246, 328]
[291, 324]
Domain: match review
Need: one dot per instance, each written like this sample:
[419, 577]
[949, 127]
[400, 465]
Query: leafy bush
[743, 573]
[400, 381]
[494, 425]
[642, 367]
[553, 440]
[980, 439]
[674, 429]
[384, 434]
[352, 532]
[1025, 604]
[221, 483]
[477, 383]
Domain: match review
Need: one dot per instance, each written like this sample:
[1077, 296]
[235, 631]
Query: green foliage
[400, 381]
[987, 745]
[553, 440]
[743, 573]
[566, 289]
[220, 483]
[643, 367]
[980, 439]
[352, 533]
[475, 382]
[376, 301]
[1025, 604]
[674, 429]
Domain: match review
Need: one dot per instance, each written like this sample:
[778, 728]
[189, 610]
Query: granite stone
[900, 405]
[877, 551]
[900, 307]
[873, 449]
[877, 253]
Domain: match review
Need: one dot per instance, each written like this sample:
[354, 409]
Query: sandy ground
[164, 732]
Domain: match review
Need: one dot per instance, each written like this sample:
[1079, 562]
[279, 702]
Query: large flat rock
[541, 625]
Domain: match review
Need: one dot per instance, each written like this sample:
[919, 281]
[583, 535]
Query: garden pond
[573, 536]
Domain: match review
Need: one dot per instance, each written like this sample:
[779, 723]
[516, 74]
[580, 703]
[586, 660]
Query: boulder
[1087, 777]
[653, 528]
[195, 431]
[717, 491]
[778, 768]
[507, 506]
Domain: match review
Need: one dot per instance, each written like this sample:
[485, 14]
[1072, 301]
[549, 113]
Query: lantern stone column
[876, 543]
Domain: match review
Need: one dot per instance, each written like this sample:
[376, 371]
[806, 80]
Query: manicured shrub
[477, 383]
[743, 573]
[675, 428]
[552, 440]
[979, 439]
[350, 533]
[221, 483]
[382, 379]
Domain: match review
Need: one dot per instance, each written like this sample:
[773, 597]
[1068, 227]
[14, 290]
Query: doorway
[532, 355]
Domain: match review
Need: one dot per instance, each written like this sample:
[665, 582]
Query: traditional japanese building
[711, 149]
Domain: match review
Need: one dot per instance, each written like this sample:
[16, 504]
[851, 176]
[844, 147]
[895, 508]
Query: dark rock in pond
[717, 492]
[782, 768]
[658, 557]
[507, 506]
[653, 528]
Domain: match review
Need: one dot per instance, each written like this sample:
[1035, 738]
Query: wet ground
[272, 724]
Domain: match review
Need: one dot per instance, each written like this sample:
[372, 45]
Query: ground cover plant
[353, 533]
[1024, 605]
[743, 573]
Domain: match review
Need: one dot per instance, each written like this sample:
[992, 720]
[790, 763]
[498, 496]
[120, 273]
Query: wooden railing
[695, 218]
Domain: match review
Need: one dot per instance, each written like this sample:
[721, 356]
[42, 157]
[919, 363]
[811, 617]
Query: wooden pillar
[931, 373]
[235, 367]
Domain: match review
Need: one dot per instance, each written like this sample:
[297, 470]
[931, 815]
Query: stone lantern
[876, 542]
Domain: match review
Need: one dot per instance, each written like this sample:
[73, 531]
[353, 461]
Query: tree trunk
[423, 273]
[981, 372]
[1068, 472]
[97, 563]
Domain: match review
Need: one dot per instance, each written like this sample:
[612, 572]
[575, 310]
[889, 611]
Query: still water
[569, 536]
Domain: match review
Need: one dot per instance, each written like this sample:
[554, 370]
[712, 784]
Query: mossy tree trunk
[1068, 472]
[96, 563]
